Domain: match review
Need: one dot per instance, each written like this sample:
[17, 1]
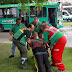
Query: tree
[66, 4]
[39, 3]
[2, 2]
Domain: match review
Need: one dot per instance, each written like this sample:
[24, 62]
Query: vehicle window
[11, 12]
[64, 13]
[39, 12]
[23, 15]
[32, 11]
[35, 12]
[2, 13]
[69, 10]
[44, 12]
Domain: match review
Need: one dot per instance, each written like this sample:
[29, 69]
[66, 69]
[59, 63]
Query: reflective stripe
[50, 30]
[55, 32]
[58, 63]
[23, 60]
[53, 35]
[56, 49]
[40, 53]
[21, 30]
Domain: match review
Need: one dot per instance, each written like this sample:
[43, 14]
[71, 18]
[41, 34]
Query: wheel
[71, 20]
[67, 20]
[1, 28]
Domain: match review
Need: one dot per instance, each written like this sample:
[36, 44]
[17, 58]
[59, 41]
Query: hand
[28, 41]
[28, 46]
[11, 38]
[48, 51]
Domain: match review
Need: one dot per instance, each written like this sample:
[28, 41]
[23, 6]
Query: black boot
[22, 66]
[11, 56]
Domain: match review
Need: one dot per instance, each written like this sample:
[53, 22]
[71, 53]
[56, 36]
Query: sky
[69, 1]
[66, 1]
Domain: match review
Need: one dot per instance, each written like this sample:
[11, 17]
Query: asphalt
[67, 31]
[4, 37]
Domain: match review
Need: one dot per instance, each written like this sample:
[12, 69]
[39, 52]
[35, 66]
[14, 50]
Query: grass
[67, 23]
[11, 65]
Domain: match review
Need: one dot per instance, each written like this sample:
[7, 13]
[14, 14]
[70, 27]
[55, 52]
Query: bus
[50, 12]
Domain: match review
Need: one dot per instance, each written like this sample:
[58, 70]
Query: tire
[1, 28]
[67, 20]
[71, 20]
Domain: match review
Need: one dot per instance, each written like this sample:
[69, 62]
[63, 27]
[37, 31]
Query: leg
[21, 48]
[57, 52]
[13, 49]
[23, 53]
[46, 62]
[40, 63]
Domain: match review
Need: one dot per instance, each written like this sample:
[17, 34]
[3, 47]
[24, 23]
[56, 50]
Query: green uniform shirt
[37, 29]
[22, 36]
[54, 39]
[15, 27]
[50, 25]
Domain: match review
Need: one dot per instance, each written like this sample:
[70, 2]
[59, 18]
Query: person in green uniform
[19, 39]
[36, 23]
[13, 30]
[58, 40]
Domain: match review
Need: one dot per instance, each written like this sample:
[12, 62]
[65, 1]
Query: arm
[10, 32]
[28, 39]
[28, 46]
[11, 35]
[29, 43]
[41, 35]
[46, 41]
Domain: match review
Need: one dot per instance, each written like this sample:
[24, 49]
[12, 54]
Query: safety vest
[54, 34]
[20, 36]
[52, 31]
[22, 29]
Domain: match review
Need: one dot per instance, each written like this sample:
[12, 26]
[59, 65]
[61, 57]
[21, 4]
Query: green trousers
[21, 48]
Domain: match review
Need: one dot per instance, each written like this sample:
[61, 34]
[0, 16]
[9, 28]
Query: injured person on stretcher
[40, 53]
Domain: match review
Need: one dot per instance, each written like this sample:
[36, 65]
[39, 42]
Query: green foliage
[39, 5]
[23, 7]
[20, 1]
[67, 23]
[66, 4]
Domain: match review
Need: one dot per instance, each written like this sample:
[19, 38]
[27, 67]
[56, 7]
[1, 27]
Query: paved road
[4, 36]
[67, 31]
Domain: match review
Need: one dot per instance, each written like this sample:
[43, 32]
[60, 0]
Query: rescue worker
[19, 39]
[36, 23]
[58, 40]
[13, 30]
[37, 28]
[40, 53]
